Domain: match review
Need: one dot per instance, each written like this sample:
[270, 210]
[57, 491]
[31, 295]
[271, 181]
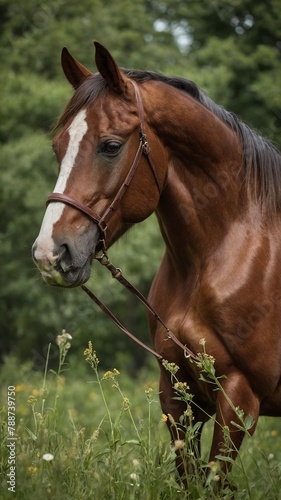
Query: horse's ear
[109, 69]
[74, 71]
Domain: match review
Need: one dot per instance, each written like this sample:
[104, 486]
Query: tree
[234, 53]
[230, 48]
[34, 92]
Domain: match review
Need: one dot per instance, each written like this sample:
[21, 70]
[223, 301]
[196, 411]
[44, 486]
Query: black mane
[261, 159]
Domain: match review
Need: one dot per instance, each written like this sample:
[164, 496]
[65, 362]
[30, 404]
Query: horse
[133, 142]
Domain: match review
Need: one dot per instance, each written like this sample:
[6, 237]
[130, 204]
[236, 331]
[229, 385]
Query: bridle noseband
[102, 223]
[143, 149]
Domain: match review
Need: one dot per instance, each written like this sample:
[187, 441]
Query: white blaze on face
[77, 131]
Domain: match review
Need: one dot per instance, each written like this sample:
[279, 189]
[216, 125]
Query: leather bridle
[102, 223]
[143, 149]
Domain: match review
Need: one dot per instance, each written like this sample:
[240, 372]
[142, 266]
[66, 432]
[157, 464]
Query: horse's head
[97, 144]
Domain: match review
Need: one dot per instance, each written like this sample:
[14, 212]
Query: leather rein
[102, 222]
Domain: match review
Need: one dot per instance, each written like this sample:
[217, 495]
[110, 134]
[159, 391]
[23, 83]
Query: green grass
[107, 439]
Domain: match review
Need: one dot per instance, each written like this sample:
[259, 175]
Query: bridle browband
[102, 223]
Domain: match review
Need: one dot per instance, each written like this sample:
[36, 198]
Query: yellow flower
[170, 367]
[31, 400]
[109, 375]
[34, 392]
[164, 417]
[90, 356]
[93, 395]
[32, 470]
[274, 433]
[126, 404]
[188, 412]
[19, 387]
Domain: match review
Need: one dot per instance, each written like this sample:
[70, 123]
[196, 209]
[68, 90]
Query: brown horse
[216, 188]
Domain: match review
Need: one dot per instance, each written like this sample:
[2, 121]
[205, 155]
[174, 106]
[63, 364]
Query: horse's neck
[202, 193]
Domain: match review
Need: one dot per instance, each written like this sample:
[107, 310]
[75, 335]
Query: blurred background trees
[230, 48]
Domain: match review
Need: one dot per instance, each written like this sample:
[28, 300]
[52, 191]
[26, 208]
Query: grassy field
[85, 434]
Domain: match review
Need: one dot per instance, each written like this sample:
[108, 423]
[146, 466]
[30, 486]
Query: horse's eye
[110, 148]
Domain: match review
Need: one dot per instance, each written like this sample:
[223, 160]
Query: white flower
[179, 444]
[48, 457]
[135, 479]
[66, 335]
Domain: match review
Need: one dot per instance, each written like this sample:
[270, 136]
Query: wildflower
[239, 412]
[35, 392]
[164, 417]
[135, 479]
[214, 466]
[48, 457]
[110, 375]
[188, 412]
[126, 404]
[182, 388]
[90, 356]
[202, 342]
[206, 362]
[39, 417]
[179, 444]
[173, 368]
[273, 433]
[31, 400]
[32, 470]
[171, 419]
[19, 387]
[95, 435]
[63, 338]
[149, 394]
[148, 391]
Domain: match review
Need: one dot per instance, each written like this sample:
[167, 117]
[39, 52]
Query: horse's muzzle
[57, 268]
[66, 262]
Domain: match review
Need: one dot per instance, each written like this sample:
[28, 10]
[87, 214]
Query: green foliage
[82, 433]
[231, 48]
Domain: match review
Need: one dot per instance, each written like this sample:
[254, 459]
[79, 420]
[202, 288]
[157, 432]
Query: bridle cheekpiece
[102, 223]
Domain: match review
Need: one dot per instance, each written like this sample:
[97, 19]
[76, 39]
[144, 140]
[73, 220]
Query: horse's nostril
[62, 266]
[64, 262]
